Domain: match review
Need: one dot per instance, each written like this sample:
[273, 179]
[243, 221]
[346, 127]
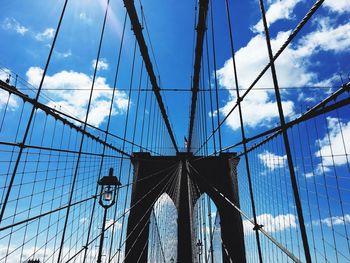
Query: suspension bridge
[97, 172]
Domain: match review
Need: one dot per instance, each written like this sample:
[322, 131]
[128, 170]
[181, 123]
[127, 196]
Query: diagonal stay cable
[58, 150]
[32, 113]
[159, 237]
[57, 115]
[313, 112]
[301, 24]
[121, 216]
[256, 227]
[79, 202]
[75, 175]
[137, 28]
[169, 184]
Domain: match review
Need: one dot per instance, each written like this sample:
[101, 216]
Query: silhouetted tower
[210, 175]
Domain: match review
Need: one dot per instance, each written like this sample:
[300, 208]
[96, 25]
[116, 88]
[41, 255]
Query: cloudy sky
[27, 40]
[311, 67]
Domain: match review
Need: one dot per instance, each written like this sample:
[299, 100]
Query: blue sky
[310, 61]
[311, 67]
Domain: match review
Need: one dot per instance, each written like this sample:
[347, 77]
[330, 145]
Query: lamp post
[199, 246]
[109, 185]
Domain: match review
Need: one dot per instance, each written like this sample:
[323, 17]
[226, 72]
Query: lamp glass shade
[107, 194]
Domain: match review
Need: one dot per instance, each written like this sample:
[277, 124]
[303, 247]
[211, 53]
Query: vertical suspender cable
[285, 138]
[210, 93]
[21, 145]
[215, 74]
[243, 133]
[106, 133]
[83, 135]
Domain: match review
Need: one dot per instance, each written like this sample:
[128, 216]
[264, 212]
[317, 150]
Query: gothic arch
[163, 220]
[213, 175]
[207, 231]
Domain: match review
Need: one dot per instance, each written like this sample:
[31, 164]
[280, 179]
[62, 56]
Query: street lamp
[109, 185]
[199, 246]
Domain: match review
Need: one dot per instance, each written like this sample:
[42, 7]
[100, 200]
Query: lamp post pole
[109, 186]
[102, 237]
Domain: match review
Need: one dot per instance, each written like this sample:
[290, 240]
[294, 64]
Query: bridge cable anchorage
[221, 195]
[137, 28]
[290, 38]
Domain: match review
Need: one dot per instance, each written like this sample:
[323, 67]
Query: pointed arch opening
[207, 245]
[162, 239]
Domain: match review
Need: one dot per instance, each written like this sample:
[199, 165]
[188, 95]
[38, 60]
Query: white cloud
[47, 34]
[335, 220]
[11, 101]
[250, 60]
[259, 106]
[101, 65]
[85, 18]
[303, 97]
[12, 24]
[339, 6]
[338, 143]
[5, 98]
[75, 96]
[66, 54]
[271, 224]
[214, 114]
[308, 175]
[277, 10]
[329, 83]
[258, 100]
[319, 170]
[327, 37]
[272, 161]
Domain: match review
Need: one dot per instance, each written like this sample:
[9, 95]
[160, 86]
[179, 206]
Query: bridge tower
[194, 176]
